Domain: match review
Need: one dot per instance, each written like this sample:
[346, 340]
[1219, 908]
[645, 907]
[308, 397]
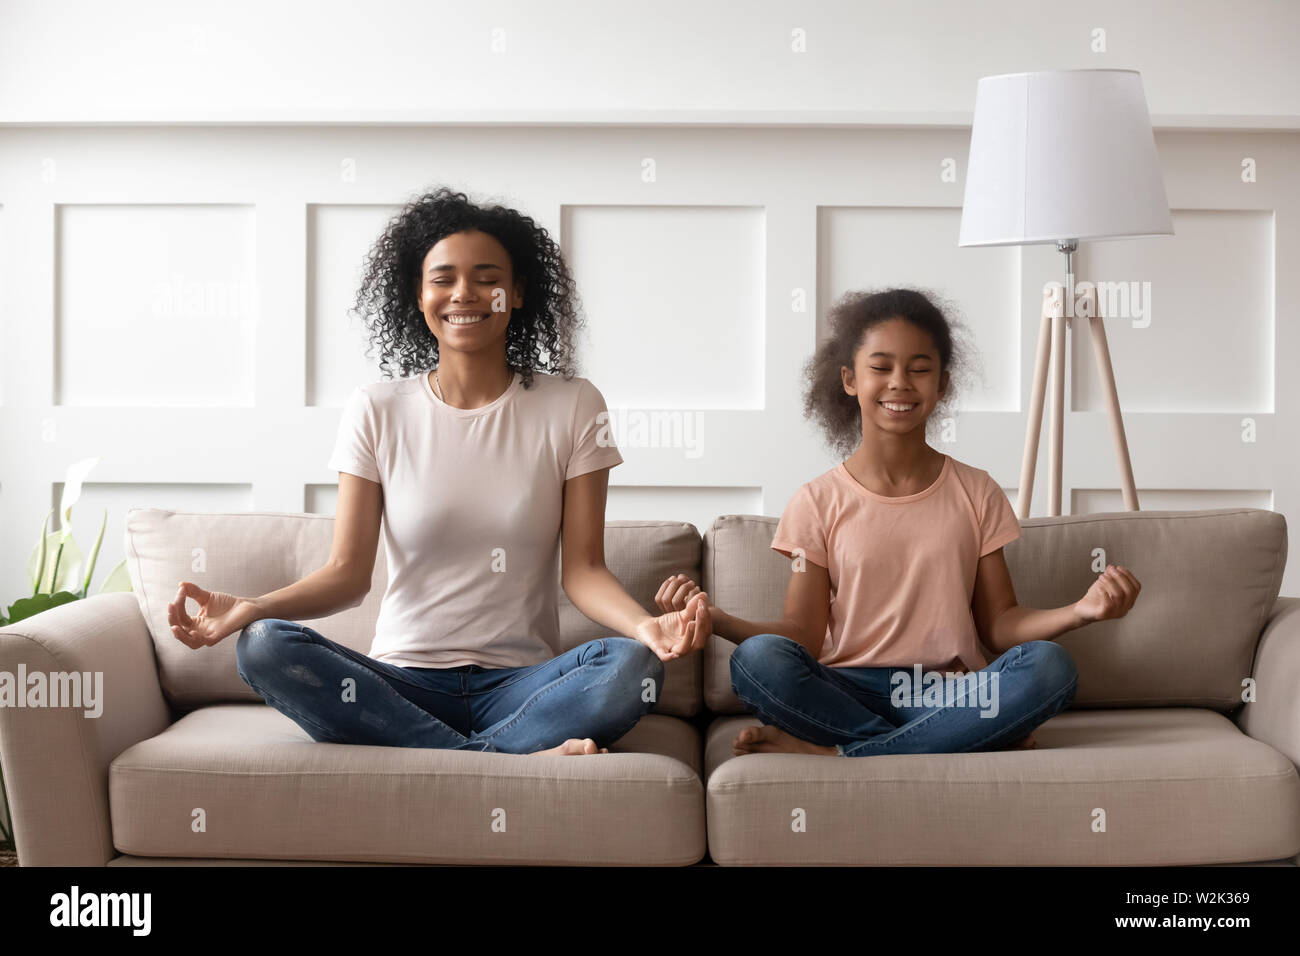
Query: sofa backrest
[1209, 580]
[252, 553]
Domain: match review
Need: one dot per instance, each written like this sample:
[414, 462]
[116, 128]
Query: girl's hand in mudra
[675, 592]
[678, 633]
[1111, 595]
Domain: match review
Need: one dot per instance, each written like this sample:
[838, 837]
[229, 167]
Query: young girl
[898, 571]
[485, 462]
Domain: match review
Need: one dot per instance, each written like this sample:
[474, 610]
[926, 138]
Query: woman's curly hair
[838, 413]
[541, 332]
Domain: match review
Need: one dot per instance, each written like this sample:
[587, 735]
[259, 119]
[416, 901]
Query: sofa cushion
[1177, 786]
[745, 577]
[253, 553]
[268, 791]
[1209, 580]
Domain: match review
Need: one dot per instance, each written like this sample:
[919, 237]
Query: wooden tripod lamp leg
[1034, 424]
[1106, 373]
[1056, 431]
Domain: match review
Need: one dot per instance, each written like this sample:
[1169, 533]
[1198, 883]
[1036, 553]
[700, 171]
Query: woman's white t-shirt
[472, 506]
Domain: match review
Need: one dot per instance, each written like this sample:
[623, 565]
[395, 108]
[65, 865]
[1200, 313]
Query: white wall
[229, 402]
[1204, 61]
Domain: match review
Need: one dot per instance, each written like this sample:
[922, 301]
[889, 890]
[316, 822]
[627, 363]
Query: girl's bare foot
[576, 745]
[766, 739]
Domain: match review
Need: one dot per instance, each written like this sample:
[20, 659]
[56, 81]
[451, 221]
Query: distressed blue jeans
[598, 690]
[872, 710]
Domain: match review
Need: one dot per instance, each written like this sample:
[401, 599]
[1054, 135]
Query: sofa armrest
[1274, 715]
[55, 758]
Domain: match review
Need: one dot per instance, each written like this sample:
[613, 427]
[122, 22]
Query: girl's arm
[1002, 623]
[736, 629]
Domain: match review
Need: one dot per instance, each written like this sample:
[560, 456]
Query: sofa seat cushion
[1176, 785]
[266, 790]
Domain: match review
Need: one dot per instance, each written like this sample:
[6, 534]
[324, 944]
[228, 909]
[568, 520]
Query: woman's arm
[595, 591]
[1002, 623]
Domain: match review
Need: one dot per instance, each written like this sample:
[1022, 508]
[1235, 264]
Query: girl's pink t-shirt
[902, 570]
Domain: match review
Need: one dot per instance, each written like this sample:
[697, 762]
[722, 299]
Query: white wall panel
[157, 304]
[1094, 500]
[320, 499]
[1197, 334]
[674, 296]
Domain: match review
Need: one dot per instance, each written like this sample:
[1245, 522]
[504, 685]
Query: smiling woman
[475, 308]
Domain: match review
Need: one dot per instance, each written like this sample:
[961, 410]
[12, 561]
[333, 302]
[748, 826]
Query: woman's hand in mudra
[678, 633]
[220, 615]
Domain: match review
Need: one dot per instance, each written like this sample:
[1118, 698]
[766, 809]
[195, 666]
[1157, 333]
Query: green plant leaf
[69, 564]
[36, 564]
[94, 555]
[119, 579]
[30, 607]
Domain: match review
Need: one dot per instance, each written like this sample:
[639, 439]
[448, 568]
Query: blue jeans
[871, 710]
[598, 690]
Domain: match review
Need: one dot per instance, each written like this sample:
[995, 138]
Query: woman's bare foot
[576, 745]
[766, 739]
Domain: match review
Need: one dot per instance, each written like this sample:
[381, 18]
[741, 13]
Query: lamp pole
[1051, 345]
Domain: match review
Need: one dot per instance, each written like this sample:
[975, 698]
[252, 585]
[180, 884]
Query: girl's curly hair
[541, 332]
[837, 413]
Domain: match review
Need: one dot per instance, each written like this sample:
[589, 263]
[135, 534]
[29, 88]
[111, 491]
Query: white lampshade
[1064, 154]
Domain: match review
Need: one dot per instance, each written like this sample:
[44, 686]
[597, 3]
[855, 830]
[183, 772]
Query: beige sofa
[1157, 762]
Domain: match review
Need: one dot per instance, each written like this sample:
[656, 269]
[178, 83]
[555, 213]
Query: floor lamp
[1065, 156]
